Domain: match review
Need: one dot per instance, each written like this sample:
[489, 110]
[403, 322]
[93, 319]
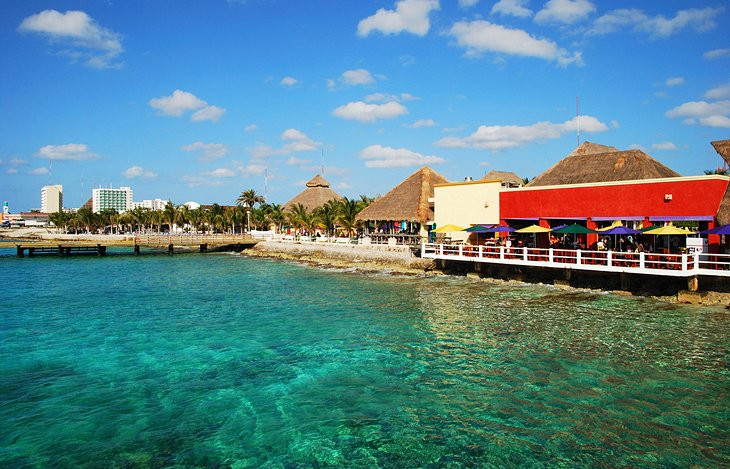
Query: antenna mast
[577, 118]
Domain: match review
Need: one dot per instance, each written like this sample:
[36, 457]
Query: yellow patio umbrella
[533, 229]
[448, 229]
[613, 225]
[669, 230]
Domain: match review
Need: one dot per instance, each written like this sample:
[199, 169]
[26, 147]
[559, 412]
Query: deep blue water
[224, 361]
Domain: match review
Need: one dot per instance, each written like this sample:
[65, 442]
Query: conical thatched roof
[507, 177]
[408, 200]
[589, 148]
[316, 194]
[581, 166]
[723, 215]
[723, 148]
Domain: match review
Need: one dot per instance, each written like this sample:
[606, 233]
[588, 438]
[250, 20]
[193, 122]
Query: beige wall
[465, 204]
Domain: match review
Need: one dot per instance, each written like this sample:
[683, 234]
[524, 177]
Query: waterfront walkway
[672, 265]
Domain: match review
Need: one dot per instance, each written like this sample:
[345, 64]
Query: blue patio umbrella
[501, 229]
[621, 230]
[721, 230]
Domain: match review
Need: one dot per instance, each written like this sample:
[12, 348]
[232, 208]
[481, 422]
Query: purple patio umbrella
[721, 230]
[501, 229]
[621, 230]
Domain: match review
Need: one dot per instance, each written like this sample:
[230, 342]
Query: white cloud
[17, 161]
[377, 156]
[80, 37]
[714, 114]
[700, 109]
[254, 168]
[482, 36]
[250, 128]
[719, 92]
[716, 121]
[674, 81]
[565, 11]
[499, 137]
[177, 103]
[364, 112]
[219, 173]
[296, 141]
[614, 124]
[656, 26]
[422, 123]
[138, 172]
[409, 15]
[383, 97]
[359, 76]
[208, 113]
[294, 161]
[511, 8]
[180, 102]
[11, 171]
[664, 146]
[288, 81]
[331, 84]
[70, 151]
[716, 54]
[636, 146]
[39, 171]
[208, 151]
[343, 185]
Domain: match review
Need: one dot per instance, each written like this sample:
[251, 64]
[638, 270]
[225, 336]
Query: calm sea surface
[223, 361]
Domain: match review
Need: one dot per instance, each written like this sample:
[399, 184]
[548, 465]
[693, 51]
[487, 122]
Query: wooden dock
[162, 243]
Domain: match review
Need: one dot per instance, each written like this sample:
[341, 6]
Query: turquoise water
[224, 361]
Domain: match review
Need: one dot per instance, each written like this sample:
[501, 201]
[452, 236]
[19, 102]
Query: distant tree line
[251, 211]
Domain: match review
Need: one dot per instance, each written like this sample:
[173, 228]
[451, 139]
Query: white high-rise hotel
[52, 199]
[119, 199]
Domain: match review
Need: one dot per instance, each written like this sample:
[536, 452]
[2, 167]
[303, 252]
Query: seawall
[399, 259]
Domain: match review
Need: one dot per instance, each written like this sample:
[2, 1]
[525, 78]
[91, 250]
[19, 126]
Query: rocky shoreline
[373, 258]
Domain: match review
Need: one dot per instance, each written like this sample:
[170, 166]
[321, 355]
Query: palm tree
[215, 217]
[196, 218]
[181, 217]
[327, 214]
[87, 219]
[169, 214]
[249, 198]
[156, 219]
[720, 171]
[59, 219]
[296, 214]
[347, 218]
[275, 214]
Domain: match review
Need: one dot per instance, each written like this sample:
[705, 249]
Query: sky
[199, 101]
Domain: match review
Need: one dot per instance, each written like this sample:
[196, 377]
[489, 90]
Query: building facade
[108, 198]
[153, 204]
[52, 198]
[468, 202]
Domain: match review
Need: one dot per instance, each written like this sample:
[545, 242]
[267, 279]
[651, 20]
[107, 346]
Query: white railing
[301, 239]
[675, 265]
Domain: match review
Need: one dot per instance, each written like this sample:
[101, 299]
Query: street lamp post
[248, 218]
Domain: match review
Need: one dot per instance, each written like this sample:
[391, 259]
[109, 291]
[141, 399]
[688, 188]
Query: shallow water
[220, 360]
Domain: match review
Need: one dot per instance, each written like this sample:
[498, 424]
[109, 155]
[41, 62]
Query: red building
[627, 186]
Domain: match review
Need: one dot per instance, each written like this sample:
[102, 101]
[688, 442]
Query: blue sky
[193, 100]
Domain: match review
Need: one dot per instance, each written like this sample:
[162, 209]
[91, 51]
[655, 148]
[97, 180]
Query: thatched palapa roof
[408, 200]
[316, 194]
[723, 215]
[584, 165]
[508, 178]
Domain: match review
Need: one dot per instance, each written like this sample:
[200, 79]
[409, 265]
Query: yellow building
[465, 204]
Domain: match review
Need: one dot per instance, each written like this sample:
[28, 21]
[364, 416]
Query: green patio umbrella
[574, 229]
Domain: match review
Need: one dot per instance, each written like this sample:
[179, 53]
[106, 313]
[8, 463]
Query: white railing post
[461, 250]
[524, 254]
[423, 249]
[697, 261]
[684, 262]
[642, 260]
[550, 255]
[481, 252]
[441, 249]
[501, 252]
[577, 257]
[609, 258]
